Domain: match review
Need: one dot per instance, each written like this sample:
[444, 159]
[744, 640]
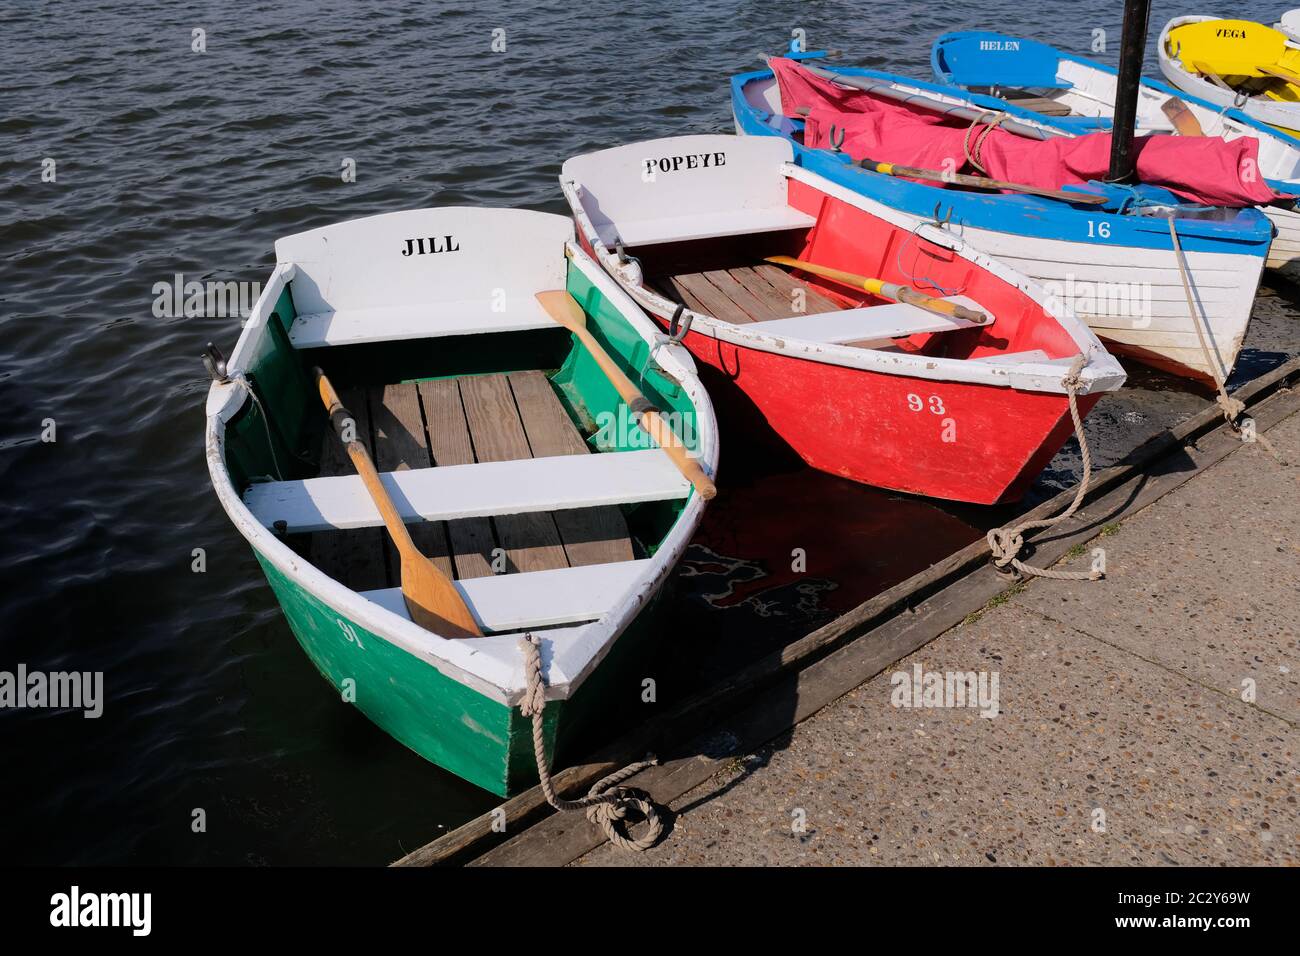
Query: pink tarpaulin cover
[1206, 170]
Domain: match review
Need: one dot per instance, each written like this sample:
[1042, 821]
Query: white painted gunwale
[1101, 373]
[1225, 319]
[491, 665]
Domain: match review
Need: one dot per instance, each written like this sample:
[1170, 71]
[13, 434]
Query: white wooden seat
[684, 188]
[430, 320]
[517, 602]
[471, 491]
[732, 222]
[894, 320]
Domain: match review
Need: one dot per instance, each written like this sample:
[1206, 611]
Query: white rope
[1233, 408]
[1006, 543]
[606, 803]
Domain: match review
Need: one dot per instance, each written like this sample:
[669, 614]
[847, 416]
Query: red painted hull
[860, 424]
[975, 443]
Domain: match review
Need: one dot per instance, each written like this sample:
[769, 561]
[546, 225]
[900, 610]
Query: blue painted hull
[1247, 233]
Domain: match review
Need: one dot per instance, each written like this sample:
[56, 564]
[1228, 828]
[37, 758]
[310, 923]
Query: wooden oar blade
[1183, 119]
[433, 601]
[563, 308]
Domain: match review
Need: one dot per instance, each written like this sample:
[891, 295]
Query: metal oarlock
[215, 363]
[677, 329]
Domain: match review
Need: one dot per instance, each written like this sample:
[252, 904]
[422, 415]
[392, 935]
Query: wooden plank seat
[1041, 104]
[894, 320]
[769, 295]
[710, 225]
[431, 320]
[468, 491]
[512, 602]
[454, 426]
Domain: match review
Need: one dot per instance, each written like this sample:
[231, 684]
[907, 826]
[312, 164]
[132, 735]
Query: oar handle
[564, 309]
[345, 427]
[649, 418]
[888, 290]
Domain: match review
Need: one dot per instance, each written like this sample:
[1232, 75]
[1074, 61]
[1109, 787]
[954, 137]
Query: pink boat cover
[1205, 169]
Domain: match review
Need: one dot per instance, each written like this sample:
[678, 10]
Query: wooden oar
[431, 598]
[889, 290]
[564, 309]
[983, 182]
[1185, 122]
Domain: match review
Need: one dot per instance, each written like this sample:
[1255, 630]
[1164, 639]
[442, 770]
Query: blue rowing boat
[1077, 95]
[1114, 264]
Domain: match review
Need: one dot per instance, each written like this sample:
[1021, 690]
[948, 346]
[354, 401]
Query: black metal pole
[1133, 48]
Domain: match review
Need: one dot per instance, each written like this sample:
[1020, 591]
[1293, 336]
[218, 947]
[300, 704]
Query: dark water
[172, 161]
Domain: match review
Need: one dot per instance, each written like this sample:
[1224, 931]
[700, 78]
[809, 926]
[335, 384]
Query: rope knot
[611, 816]
[1005, 544]
[533, 701]
[1232, 407]
[606, 803]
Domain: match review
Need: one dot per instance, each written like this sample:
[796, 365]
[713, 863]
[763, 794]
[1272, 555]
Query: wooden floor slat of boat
[590, 535]
[354, 558]
[531, 541]
[1041, 104]
[462, 421]
[400, 443]
[471, 539]
[745, 294]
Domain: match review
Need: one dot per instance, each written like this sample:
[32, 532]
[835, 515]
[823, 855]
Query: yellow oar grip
[874, 286]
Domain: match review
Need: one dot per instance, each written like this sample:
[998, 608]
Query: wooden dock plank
[400, 444]
[471, 539]
[590, 535]
[354, 558]
[532, 542]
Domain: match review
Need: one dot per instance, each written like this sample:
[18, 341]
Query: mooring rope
[606, 802]
[1006, 543]
[1233, 408]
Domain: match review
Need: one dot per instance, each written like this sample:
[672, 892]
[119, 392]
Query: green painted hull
[441, 719]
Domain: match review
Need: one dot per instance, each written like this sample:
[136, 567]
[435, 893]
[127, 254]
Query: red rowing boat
[758, 266]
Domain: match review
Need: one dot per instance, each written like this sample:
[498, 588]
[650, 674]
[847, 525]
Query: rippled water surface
[172, 161]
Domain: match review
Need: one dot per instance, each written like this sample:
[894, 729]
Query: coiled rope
[1006, 543]
[606, 803]
[973, 147]
[1233, 408]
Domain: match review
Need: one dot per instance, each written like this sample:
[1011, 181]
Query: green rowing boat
[502, 442]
